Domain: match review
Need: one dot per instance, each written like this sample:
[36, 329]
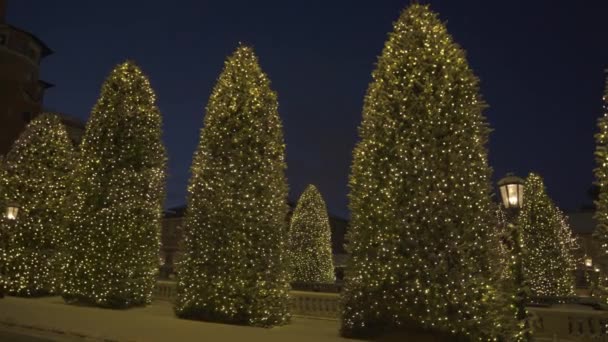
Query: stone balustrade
[309, 304]
[569, 322]
[315, 304]
[165, 290]
[558, 322]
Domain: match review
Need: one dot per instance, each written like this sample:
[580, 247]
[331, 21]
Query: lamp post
[9, 217]
[511, 190]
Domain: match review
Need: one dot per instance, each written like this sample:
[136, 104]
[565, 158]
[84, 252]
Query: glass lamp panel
[11, 212]
[503, 195]
[520, 196]
[512, 195]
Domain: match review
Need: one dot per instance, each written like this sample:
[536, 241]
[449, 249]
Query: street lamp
[12, 211]
[511, 191]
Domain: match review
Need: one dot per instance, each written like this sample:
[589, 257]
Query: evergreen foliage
[114, 229]
[37, 180]
[310, 254]
[233, 268]
[601, 181]
[547, 243]
[421, 247]
[3, 231]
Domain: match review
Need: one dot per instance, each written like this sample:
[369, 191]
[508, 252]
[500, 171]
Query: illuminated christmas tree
[114, 229]
[601, 180]
[233, 268]
[548, 246]
[37, 178]
[4, 234]
[310, 254]
[420, 243]
[3, 231]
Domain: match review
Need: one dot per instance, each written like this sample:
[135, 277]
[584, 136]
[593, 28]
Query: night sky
[541, 65]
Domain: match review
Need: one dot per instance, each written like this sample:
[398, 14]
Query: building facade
[21, 89]
[172, 235]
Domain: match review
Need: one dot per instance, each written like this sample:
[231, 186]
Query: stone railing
[577, 320]
[569, 322]
[315, 304]
[165, 290]
[303, 303]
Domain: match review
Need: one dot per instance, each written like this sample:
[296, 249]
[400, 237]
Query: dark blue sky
[541, 65]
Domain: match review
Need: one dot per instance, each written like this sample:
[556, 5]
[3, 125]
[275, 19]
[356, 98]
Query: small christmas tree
[37, 179]
[114, 230]
[420, 242]
[548, 246]
[310, 254]
[233, 268]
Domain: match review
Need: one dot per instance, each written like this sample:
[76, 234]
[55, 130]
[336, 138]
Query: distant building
[589, 256]
[172, 235]
[21, 89]
[171, 240]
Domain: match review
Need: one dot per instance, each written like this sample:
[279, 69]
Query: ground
[155, 322]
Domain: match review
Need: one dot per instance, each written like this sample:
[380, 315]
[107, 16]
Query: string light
[113, 234]
[233, 269]
[547, 243]
[422, 254]
[310, 254]
[37, 171]
[601, 180]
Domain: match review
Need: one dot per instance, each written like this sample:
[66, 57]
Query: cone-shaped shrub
[420, 241]
[114, 230]
[310, 254]
[548, 246]
[37, 180]
[233, 268]
[601, 180]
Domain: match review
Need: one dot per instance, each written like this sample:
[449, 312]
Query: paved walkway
[155, 322]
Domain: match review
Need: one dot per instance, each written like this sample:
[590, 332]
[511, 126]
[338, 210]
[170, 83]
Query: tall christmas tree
[114, 230]
[37, 175]
[4, 233]
[601, 180]
[310, 254]
[234, 268]
[419, 242]
[547, 243]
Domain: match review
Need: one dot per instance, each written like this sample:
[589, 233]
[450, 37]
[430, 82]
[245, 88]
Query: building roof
[44, 49]
[45, 84]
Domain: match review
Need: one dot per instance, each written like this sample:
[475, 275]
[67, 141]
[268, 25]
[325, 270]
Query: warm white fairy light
[233, 268]
[114, 223]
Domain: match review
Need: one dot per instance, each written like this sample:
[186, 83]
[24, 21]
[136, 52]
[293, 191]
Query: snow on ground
[155, 322]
